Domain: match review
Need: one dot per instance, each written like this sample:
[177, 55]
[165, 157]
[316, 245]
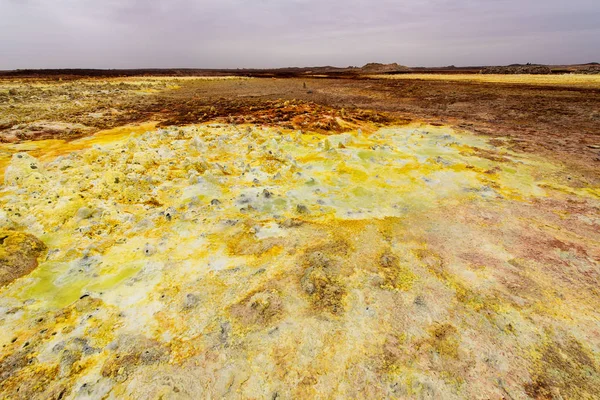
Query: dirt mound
[19, 253]
[518, 69]
[378, 68]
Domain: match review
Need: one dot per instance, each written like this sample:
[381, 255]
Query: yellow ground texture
[573, 80]
[241, 261]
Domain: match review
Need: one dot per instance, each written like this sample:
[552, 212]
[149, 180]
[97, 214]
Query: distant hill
[378, 68]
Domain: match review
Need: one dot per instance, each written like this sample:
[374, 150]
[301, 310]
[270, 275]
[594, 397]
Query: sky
[279, 33]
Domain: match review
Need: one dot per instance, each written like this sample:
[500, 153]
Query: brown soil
[19, 253]
[563, 123]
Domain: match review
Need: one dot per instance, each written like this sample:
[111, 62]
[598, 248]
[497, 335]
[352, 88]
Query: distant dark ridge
[451, 69]
[519, 69]
[301, 72]
[329, 71]
[109, 72]
[526, 65]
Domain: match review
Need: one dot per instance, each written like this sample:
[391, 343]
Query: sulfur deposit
[239, 261]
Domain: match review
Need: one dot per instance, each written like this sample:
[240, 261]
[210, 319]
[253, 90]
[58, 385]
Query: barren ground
[361, 237]
[557, 116]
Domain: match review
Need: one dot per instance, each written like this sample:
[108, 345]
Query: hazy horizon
[135, 34]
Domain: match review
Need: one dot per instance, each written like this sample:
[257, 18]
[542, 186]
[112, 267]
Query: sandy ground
[299, 238]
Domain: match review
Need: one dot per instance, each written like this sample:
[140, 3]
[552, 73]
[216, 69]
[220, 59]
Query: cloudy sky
[276, 33]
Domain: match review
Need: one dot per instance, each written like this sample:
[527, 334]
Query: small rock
[149, 249]
[419, 301]
[58, 347]
[84, 213]
[190, 301]
[291, 223]
[169, 213]
[301, 209]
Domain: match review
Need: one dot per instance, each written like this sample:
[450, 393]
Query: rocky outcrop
[19, 253]
[377, 68]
